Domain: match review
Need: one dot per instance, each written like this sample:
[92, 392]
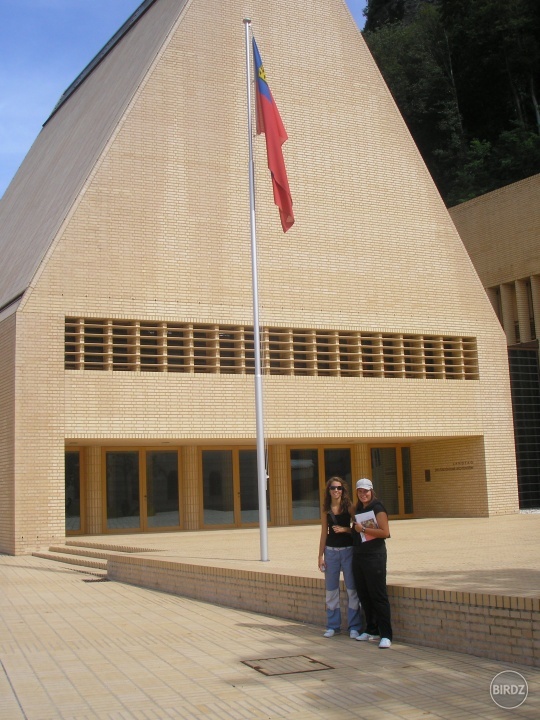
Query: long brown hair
[345, 497]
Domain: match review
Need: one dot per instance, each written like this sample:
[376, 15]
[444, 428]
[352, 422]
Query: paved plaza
[74, 646]
[491, 555]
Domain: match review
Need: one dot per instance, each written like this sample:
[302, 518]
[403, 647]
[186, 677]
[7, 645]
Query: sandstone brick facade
[144, 219]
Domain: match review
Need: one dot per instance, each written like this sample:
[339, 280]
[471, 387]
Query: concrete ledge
[498, 627]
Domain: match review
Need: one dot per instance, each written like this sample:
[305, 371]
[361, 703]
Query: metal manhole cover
[286, 665]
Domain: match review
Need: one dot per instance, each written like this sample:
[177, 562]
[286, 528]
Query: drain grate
[101, 579]
[286, 665]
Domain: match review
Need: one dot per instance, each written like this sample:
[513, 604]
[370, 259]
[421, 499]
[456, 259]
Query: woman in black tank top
[335, 557]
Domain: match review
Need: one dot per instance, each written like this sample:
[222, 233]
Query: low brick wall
[500, 627]
[492, 626]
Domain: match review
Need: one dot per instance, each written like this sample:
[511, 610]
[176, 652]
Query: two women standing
[360, 553]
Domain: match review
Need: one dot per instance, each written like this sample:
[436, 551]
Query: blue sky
[44, 45]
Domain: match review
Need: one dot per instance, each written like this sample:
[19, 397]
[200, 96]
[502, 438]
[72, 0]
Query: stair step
[87, 551]
[70, 559]
[111, 546]
[86, 554]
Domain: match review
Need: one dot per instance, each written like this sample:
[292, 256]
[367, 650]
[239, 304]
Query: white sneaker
[354, 634]
[330, 633]
[385, 643]
[364, 637]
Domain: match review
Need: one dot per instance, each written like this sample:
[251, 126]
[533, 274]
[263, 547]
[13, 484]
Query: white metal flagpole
[261, 462]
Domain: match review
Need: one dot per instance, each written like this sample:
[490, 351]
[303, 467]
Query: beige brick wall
[39, 433]
[455, 485]
[501, 231]
[499, 627]
[7, 432]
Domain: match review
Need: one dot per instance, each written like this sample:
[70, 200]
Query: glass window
[305, 484]
[218, 494]
[249, 488]
[162, 489]
[407, 480]
[123, 501]
[73, 490]
[337, 461]
[385, 479]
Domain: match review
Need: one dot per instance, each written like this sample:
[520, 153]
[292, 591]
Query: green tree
[465, 76]
[415, 61]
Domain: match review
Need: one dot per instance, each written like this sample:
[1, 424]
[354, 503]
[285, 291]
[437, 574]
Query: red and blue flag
[269, 122]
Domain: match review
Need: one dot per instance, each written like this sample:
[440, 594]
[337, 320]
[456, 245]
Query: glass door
[73, 481]
[310, 468]
[249, 488]
[337, 461]
[141, 489]
[123, 510]
[305, 485]
[392, 479]
[161, 496]
[231, 488]
[218, 487]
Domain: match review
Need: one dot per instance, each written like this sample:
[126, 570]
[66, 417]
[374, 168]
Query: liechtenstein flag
[269, 122]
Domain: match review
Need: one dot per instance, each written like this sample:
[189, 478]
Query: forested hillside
[466, 76]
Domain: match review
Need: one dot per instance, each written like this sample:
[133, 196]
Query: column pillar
[191, 499]
[494, 300]
[361, 464]
[508, 315]
[523, 311]
[278, 470]
[535, 292]
[94, 491]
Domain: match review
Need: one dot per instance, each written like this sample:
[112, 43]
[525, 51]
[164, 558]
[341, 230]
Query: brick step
[85, 551]
[86, 554]
[112, 546]
[72, 559]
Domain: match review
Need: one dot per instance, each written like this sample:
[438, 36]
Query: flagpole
[261, 464]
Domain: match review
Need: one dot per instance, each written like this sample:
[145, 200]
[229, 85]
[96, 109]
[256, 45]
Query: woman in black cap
[369, 563]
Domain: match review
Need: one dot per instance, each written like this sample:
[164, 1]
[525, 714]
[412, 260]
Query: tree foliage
[465, 75]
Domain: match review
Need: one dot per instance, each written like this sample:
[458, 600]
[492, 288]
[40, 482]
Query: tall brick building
[126, 338]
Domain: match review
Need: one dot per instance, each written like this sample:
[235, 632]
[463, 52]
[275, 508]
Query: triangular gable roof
[64, 154]
[357, 179]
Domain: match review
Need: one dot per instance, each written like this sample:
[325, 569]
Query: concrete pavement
[77, 648]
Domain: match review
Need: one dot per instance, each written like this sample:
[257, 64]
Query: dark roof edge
[105, 50]
[5, 306]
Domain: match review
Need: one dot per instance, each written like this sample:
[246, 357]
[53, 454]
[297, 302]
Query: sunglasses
[336, 487]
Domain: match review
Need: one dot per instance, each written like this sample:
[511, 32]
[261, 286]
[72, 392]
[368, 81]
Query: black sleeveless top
[338, 539]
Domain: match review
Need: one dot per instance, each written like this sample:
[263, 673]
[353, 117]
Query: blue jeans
[339, 560]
